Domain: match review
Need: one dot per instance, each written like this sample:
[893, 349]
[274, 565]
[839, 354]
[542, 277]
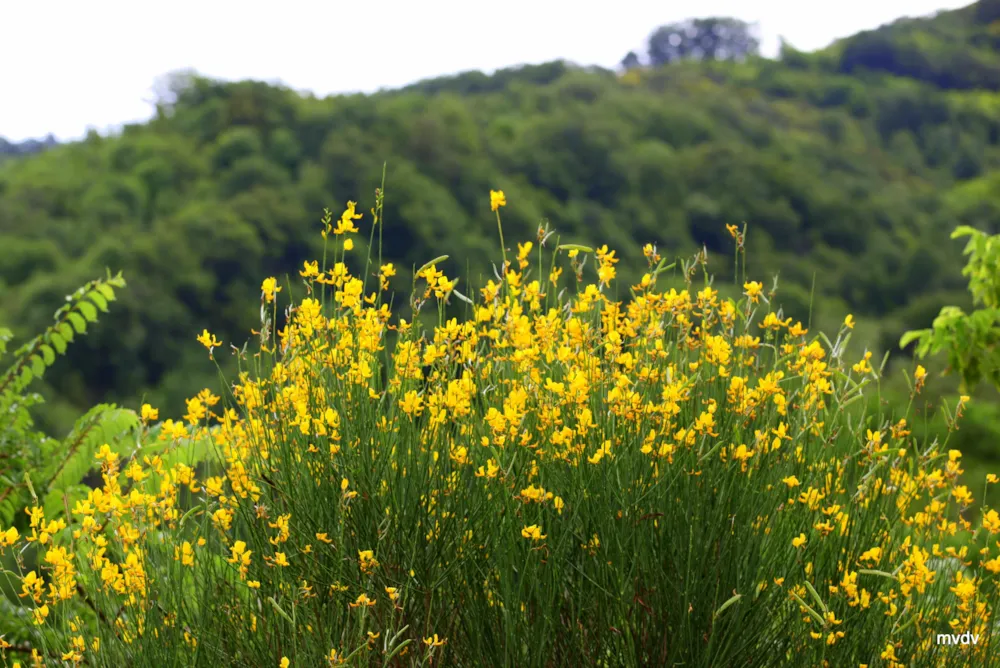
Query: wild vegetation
[604, 446]
[578, 480]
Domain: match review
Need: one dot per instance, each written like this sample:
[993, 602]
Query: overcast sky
[67, 66]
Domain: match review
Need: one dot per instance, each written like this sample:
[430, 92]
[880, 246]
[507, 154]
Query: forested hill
[851, 165]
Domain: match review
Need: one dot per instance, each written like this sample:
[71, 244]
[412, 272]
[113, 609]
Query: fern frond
[102, 424]
[10, 501]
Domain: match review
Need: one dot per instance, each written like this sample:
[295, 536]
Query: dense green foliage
[851, 170]
[953, 50]
[833, 534]
[970, 339]
[54, 474]
[33, 466]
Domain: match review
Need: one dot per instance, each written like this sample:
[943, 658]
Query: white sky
[66, 66]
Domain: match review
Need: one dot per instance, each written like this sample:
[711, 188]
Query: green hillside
[851, 166]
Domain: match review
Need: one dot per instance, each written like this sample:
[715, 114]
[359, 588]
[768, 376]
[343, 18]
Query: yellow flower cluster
[671, 388]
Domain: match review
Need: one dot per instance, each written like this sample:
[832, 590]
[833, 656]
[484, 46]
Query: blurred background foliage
[851, 165]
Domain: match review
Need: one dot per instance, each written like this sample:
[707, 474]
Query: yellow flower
[346, 222]
[310, 269]
[269, 288]
[241, 556]
[890, 653]
[284, 663]
[533, 532]
[872, 555]
[991, 521]
[184, 554]
[791, 481]
[412, 403]
[434, 641]
[849, 321]
[362, 600]
[497, 199]
[863, 366]
[208, 340]
[991, 477]
[348, 244]
[993, 565]
[106, 454]
[149, 413]
[964, 588]
[8, 537]
[605, 449]
[799, 541]
[962, 495]
[40, 614]
[753, 289]
[367, 561]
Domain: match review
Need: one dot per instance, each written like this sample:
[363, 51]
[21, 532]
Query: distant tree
[703, 39]
[28, 146]
[792, 57]
[630, 61]
[168, 88]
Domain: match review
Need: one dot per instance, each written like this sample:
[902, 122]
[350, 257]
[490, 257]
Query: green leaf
[462, 297]
[964, 231]
[65, 330]
[88, 311]
[37, 366]
[105, 423]
[79, 324]
[433, 262]
[5, 336]
[734, 599]
[9, 507]
[106, 290]
[54, 505]
[912, 335]
[48, 355]
[58, 341]
[99, 300]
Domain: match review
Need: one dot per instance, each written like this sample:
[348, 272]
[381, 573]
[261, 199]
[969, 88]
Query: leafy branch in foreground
[969, 339]
[30, 462]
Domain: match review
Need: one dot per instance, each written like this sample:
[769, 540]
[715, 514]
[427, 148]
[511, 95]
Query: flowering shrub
[680, 478]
